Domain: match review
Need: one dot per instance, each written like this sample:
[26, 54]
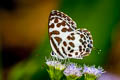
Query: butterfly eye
[53, 53]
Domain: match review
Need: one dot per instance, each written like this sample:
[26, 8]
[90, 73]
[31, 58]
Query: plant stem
[89, 77]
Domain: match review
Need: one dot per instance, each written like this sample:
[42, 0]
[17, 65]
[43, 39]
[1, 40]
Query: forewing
[59, 26]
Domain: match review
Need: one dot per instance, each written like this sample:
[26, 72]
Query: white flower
[72, 70]
[55, 68]
[60, 66]
[94, 71]
[55, 64]
[51, 63]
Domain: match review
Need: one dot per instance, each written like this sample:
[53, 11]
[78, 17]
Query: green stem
[55, 74]
[68, 78]
[72, 77]
[58, 74]
[89, 77]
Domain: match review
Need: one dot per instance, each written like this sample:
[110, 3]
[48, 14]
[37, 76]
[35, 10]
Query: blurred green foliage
[98, 16]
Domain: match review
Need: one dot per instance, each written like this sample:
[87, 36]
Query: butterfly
[65, 39]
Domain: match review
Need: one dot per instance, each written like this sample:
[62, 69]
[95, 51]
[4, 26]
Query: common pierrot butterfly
[66, 40]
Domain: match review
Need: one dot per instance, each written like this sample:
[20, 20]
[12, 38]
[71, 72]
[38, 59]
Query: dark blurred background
[24, 39]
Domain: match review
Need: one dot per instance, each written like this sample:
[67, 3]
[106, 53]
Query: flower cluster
[56, 65]
[93, 71]
[72, 71]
